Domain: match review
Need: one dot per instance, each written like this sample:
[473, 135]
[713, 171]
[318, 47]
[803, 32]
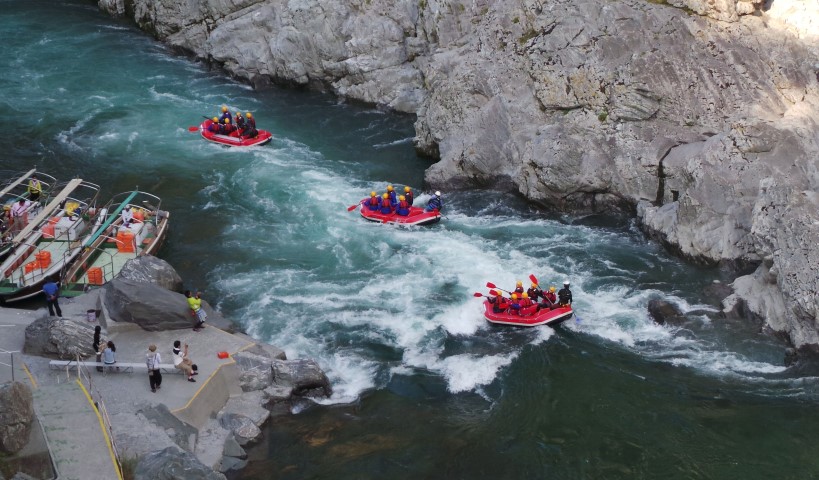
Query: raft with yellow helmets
[526, 316]
[400, 212]
[233, 139]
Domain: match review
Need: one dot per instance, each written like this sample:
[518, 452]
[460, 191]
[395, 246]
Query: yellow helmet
[238, 114]
[402, 198]
[525, 295]
[514, 296]
[372, 194]
[215, 120]
[534, 285]
[519, 284]
[227, 120]
[407, 189]
[224, 109]
[249, 115]
[552, 289]
[389, 188]
[386, 195]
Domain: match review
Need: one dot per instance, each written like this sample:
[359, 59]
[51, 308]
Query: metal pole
[12, 366]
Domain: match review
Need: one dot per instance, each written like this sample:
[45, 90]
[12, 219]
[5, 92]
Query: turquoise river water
[424, 387]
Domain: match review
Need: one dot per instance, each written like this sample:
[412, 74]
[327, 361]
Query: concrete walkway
[78, 443]
[77, 440]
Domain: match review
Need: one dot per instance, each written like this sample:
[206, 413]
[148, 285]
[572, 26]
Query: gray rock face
[152, 307]
[149, 269]
[173, 464]
[58, 337]
[708, 121]
[256, 372]
[243, 428]
[16, 415]
[301, 376]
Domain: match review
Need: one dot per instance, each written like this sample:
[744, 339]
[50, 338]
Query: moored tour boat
[417, 216]
[13, 190]
[233, 140]
[106, 251]
[530, 317]
[50, 241]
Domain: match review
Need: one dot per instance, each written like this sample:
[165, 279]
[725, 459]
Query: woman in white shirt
[182, 362]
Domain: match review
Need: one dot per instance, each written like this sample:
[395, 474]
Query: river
[423, 386]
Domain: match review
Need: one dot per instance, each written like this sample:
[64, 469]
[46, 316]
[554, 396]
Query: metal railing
[84, 376]
[11, 360]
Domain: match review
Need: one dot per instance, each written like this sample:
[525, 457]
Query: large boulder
[149, 269]
[59, 337]
[150, 306]
[173, 464]
[154, 308]
[243, 428]
[255, 371]
[304, 376]
[16, 415]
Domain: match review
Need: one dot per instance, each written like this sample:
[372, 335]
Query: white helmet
[437, 193]
[566, 283]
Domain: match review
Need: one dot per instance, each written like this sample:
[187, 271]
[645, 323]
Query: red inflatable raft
[533, 319]
[417, 216]
[233, 140]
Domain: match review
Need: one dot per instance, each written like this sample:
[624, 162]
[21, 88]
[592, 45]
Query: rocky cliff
[702, 114]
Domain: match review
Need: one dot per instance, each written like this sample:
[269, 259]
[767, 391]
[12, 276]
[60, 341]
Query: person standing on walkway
[52, 293]
[195, 304]
[153, 360]
[96, 344]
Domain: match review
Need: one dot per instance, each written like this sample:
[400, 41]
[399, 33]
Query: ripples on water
[388, 312]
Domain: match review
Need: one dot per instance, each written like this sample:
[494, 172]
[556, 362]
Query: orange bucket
[95, 276]
[222, 355]
[43, 258]
[31, 266]
[125, 241]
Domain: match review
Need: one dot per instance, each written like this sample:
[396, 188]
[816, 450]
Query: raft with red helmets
[529, 317]
[417, 216]
[233, 140]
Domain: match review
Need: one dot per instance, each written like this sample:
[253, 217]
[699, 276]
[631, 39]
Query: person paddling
[564, 295]
[409, 195]
[435, 203]
[373, 203]
[250, 129]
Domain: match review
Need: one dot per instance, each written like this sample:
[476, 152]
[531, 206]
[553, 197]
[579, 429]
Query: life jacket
[526, 302]
[251, 123]
[565, 296]
[229, 128]
[373, 203]
[225, 116]
[386, 206]
[410, 197]
[519, 290]
[213, 128]
[534, 293]
[403, 208]
[240, 121]
[393, 198]
[34, 187]
[550, 296]
[501, 304]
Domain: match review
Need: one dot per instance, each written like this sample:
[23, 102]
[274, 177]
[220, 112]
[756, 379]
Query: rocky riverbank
[201, 427]
[701, 117]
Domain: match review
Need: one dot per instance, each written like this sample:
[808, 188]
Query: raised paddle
[492, 285]
[534, 279]
[353, 207]
[477, 294]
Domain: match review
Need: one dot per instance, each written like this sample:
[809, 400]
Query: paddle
[534, 279]
[491, 292]
[492, 285]
[353, 207]
[193, 129]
